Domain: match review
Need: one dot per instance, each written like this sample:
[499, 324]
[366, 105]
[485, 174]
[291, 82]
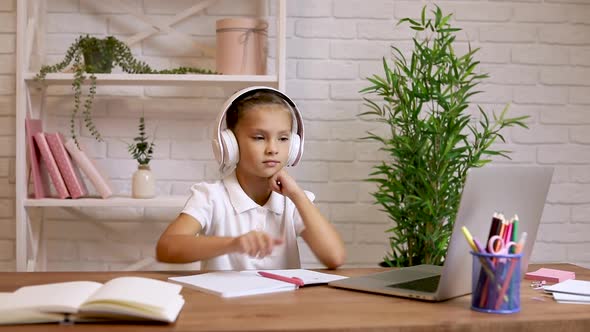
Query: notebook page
[64, 297]
[101, 310]
[11, 315]
[309, 277]
[150, 294]
[576, 287]
[570, 298]
[233, 283]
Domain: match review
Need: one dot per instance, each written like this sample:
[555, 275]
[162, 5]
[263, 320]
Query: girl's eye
[284, 138]
[258, 137]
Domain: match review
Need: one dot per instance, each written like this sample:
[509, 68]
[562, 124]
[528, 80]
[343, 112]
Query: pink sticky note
[550, 275]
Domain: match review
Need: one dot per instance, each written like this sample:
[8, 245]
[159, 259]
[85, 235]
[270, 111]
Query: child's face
[263, 134]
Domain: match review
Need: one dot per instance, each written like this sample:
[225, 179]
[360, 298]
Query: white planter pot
[143, 183]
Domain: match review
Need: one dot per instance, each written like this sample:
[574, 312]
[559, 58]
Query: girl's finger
[262, 244]
[244, 246]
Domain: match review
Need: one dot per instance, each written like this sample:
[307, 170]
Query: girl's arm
[180, 243]
[320, 235]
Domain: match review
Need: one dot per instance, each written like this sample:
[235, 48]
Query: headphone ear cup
[230, 149]
[217, 151]
[293, 149]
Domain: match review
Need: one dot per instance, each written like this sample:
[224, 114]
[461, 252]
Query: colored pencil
[510, 272]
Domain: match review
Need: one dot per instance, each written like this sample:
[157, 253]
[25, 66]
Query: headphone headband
[221, 142]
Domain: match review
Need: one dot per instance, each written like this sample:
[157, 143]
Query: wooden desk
[322, 308]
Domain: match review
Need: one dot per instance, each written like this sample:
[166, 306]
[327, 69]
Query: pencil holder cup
[495, 283]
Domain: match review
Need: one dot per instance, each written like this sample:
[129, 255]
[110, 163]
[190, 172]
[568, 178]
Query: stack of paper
[550, 275]
[571, 291]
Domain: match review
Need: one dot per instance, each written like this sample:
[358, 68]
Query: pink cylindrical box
[241, 46]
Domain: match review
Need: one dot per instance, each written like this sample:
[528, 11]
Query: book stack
[49, 154]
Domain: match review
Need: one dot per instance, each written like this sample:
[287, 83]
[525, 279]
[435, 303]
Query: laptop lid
[510, 190]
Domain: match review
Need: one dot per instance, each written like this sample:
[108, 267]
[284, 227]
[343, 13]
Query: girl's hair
[248, 101]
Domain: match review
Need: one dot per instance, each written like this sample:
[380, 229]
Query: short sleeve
[200, 203]
[297, 220]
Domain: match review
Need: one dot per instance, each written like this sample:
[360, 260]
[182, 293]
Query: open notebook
[250, 282]
[125, 298]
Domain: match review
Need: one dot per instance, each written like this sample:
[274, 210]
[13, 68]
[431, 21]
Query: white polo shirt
[224, 209]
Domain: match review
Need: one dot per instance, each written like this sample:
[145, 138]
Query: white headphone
[225, 144]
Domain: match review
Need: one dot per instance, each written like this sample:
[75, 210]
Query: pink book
[89, 168]
[40, 184]
[51, 165]
[74, 183]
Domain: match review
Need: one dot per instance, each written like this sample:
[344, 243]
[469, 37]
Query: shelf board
[114, 201]
[158, 79]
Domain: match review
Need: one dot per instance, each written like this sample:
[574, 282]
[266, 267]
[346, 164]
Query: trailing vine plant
[91, 55]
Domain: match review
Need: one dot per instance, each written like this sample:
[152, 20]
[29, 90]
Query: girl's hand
[255, 244]
[284, 184]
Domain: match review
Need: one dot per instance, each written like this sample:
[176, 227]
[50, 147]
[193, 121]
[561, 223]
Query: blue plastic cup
[495, 283]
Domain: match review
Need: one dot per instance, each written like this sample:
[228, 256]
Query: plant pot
[143, 183]
[96, 62]
[98, 54]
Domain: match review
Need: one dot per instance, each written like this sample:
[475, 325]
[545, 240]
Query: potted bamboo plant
[432, 139]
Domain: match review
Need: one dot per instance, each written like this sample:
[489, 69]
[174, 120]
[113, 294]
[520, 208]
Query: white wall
[537, 53]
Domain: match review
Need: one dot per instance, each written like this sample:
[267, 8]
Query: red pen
[291, 280]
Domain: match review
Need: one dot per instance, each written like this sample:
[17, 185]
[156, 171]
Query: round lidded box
[241, 46]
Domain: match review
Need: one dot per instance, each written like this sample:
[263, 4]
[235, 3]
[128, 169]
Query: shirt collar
[241, 202]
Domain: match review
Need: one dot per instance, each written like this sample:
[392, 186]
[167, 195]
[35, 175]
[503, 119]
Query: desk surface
[323, 308]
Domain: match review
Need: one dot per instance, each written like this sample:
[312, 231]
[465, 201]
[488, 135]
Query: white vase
[143, 183]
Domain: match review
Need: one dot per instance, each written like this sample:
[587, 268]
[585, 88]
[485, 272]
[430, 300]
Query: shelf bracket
[83, 216]
[147, 261]
[36, 240]
[157, 26]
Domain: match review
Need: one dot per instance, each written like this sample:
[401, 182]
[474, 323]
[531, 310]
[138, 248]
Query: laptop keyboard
[428, 285]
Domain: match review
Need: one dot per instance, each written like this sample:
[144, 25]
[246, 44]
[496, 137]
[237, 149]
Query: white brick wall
[537, 53]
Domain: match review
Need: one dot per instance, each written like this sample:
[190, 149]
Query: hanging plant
[91, 55]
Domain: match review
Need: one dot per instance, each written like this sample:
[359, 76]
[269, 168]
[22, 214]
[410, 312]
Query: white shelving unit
[114, 201]
[30, 251]
[158, 79]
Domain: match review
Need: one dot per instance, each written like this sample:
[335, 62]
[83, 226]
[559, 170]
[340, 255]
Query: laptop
[509, 190]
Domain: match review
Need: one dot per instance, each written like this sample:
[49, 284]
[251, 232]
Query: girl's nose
[272, 147]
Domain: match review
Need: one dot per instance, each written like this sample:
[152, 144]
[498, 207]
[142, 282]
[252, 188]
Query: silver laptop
[509, 190]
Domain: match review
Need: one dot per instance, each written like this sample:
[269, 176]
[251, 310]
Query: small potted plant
[143, 182]
[92, 55]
